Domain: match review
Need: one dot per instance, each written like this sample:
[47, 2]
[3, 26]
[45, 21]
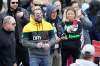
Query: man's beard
[39, 21]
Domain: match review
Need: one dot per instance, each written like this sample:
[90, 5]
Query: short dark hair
[73, 2]
[94, 7]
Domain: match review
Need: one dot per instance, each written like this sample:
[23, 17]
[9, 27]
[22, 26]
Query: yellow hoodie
[34, 33]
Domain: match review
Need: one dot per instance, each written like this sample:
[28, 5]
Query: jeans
[39, 61]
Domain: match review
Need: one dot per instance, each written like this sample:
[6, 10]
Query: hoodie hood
[33, 21]
[49, 10]
[35, 26]
[82, 62]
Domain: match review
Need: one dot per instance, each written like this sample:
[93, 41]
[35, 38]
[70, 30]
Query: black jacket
[2, 15]
[7, 48]
[20, 22]
[98, 22]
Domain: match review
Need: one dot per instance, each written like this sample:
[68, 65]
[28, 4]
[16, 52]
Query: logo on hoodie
[36, 37]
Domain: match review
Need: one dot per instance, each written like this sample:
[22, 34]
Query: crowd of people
[51, 34]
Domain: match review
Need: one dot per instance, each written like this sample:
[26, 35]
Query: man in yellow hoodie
[38, 36]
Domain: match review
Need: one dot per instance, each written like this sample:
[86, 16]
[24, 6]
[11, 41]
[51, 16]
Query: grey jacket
[86, 24]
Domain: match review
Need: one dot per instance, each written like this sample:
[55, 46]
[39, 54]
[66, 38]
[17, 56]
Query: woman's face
[14, 4]
[70, 15]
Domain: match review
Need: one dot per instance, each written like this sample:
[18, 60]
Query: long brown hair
[65, 12]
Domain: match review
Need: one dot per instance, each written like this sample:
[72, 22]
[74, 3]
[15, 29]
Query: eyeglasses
[14, 2]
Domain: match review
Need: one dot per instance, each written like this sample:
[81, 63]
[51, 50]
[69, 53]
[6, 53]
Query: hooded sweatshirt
[34, 33]
[56, 22]
[82, 62]
[57, 26]
[49, 10]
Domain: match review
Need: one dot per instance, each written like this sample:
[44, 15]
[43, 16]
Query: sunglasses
[14, 2]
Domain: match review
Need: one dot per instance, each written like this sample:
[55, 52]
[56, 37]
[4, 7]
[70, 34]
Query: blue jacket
[56, 21]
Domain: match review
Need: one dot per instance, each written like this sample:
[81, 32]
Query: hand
[20, 14]
[46, 46]
[69, 29]
[15, 64]
[63, 38]
[74, 27]
[39, 45]
[58, 39]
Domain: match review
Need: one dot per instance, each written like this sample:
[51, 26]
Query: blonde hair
[7, 19]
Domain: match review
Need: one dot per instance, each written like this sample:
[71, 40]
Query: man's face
[58, 5]
[14, 4]
[11, 26]
[54, 14]
[38, 15]
[76, 6]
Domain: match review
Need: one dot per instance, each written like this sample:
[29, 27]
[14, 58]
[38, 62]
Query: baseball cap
[88, 50]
